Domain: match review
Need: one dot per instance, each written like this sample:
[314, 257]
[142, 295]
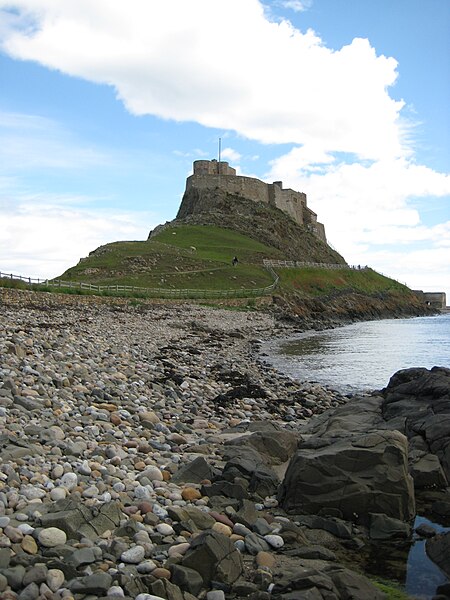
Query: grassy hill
[257, 220]
[197, 257]
[183, 256]
[179, 257]
[313, 282]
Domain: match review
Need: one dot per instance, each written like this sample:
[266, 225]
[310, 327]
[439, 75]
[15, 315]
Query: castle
[209, 174]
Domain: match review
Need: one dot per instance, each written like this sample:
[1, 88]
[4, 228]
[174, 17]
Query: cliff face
[259, 221]
[346, 307]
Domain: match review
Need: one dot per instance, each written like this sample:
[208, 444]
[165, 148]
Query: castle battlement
[209, 174]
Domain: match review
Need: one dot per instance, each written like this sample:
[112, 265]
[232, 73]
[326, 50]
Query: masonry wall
[212, 167]
[436, 299]
[248, 187]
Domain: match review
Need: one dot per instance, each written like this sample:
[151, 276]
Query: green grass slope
[314, 282]
[179, 257]
[257, 220]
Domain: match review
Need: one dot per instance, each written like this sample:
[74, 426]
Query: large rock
[214, 556]
[245, 461]
[275, 447]
[420, 398]
[357, 475]
[194, 472]
[333, 582]
[438, 549]
[77, 520]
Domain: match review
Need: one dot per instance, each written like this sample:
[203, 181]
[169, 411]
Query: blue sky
[105, 104]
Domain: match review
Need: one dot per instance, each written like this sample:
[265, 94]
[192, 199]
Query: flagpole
[220, 149]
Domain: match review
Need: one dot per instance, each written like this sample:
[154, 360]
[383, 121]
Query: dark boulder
[214, 557]
[438, 549]
[357, 475]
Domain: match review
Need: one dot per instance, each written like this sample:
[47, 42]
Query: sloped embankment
[259, 221]
[347, 306]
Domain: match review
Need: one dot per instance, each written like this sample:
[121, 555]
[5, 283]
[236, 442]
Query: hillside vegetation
[179, 257]
[257, 220]
[195, 252]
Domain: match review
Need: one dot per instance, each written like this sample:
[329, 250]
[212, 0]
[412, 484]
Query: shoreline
[106, 411]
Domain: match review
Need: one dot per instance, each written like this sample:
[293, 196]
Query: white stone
[32, 493]
[270, 502]
[143, 493]
[52, 536]
[58, 493]
[179, 549]
[69, 480]
[133, 555]
[153, 474]
[148, 597]
[57, 471]
[4, 521]
[57, 432]
[159, 511]
[25, 528]
[55, 579]
[215, 595]
[90, 492]
[84, 468]
[276, 541]
[116, 591]
[165, 529]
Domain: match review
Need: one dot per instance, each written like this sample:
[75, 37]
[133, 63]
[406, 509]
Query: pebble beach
[102, 405]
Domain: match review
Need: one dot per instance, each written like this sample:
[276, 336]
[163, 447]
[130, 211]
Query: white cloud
[296, 5]
[42, 236]
[374, 205]
[231, 155]
[273, 83]
[356, 199]
[420, 269]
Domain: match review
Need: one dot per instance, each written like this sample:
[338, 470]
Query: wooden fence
[150, 292]
[295, 264]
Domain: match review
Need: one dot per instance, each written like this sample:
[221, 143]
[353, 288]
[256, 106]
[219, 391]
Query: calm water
[364, 355]
[422, 575]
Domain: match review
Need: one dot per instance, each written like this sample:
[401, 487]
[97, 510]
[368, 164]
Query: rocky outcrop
[417, 401]
[356, 475]
[259, 221]
[364, 458]
[328, 582]
[215, 558]
[438, 549]
[347, 306]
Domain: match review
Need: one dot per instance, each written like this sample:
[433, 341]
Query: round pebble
[52, 536]
[134, 555]
[55, 579]
[276, 541]
[222, 528]
[69, 480]
[146, 566]
[165, 529]
[190, 493]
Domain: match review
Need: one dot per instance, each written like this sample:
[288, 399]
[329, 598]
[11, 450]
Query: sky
[105, 104]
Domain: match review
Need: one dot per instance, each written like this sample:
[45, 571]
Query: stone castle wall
[248, 187]
[211, 174]
[434, 299]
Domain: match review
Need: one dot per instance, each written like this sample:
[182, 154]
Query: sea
[362, 357]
